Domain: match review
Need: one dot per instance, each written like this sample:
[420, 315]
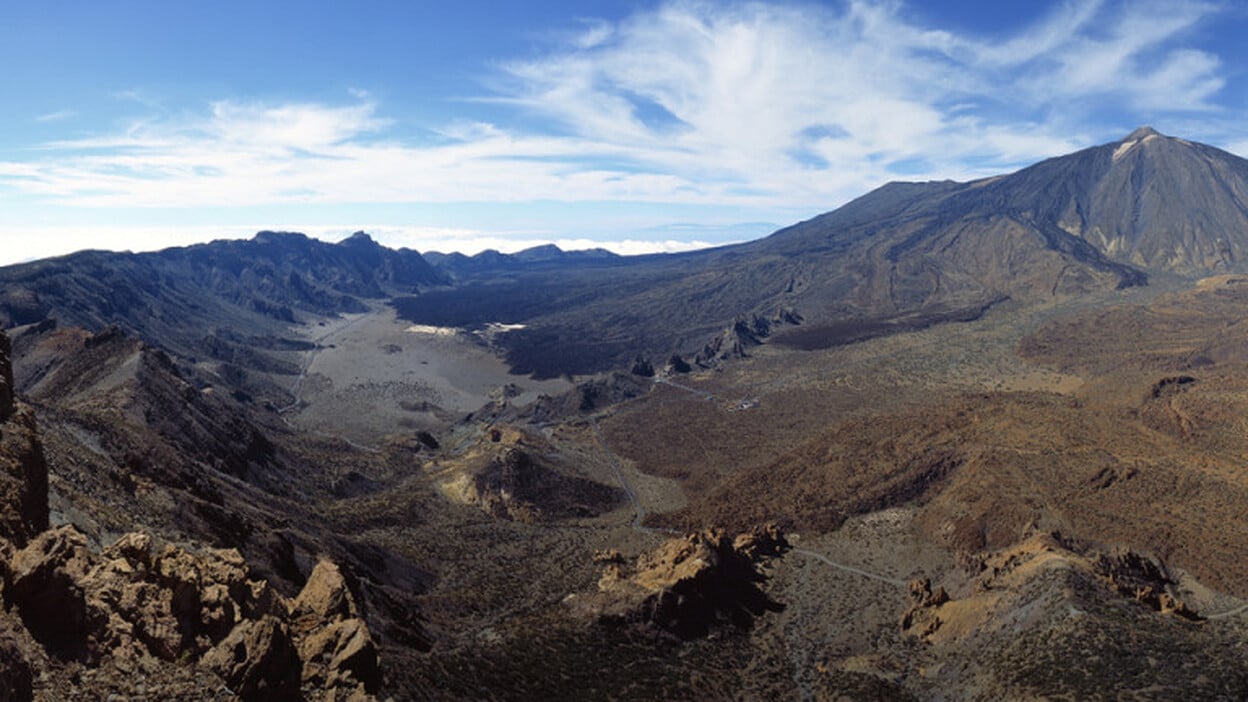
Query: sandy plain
[373, 374]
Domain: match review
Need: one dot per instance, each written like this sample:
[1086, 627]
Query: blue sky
[642, 126]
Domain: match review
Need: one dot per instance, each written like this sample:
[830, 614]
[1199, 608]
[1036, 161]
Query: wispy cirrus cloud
[752, 104]
[58, 116]
[1127, 52]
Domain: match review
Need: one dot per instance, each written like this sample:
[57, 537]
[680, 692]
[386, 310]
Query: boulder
[325, 597]
[341, 655]
[333, 641]
[257, 660]
[45, 585]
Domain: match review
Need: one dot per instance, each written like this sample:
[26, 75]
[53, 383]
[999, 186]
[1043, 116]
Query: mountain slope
[1148, 201]
[903, 256]
[1160, 203]
[179, 296]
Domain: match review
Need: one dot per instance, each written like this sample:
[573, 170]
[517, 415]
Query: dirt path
[318, 343]
[849, 568]
[639, 511]
[700, 393]
[639, 515]
[1229, 613]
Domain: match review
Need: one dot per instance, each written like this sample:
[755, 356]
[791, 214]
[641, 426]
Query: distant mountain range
[904, 255]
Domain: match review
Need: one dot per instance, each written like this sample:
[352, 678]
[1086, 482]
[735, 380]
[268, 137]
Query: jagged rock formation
[676, 365]
[1010, 573]
[689, 586]
[744, 334]
[134, 607]
[921, 618]
[332, 640]
[642, 367]
[1144, 579]
[588, 397]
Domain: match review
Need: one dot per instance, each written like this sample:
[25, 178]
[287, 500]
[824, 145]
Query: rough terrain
[952, 441]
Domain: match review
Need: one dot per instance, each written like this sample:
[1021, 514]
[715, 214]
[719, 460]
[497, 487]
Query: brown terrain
[918, 451]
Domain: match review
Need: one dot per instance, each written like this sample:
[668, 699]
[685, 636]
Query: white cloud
[58, 116]
[1099, 51]
[712, 104]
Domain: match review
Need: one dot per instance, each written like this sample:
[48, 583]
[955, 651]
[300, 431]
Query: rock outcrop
[921, 618]
[23, 472]
[515, 474]
[77, 621]
[744, 334]
[1144, 579]
[258, 660]
[689, 586]
[642, 367]
[334, 642]
[129, 603]
[1012, 578]
[132, 606]
[675, 365]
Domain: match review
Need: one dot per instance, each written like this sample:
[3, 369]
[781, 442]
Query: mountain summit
[1110, 214]
[1102, 218]
[1156, 202]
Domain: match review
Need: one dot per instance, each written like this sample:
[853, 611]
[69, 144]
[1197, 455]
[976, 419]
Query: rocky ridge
[513, 474]
[1049, 614]
[689, 586]
[138, 619]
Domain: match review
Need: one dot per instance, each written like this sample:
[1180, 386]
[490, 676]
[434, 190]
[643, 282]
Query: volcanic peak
[1142, 133]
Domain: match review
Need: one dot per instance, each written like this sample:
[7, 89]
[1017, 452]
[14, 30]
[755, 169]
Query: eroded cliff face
[161, 621]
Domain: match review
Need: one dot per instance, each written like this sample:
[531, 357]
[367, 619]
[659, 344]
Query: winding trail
[639, 515]
[317, 346]
[849, 568]
[296, 388]
[700, 393]
[1228, 613]
[639, 511]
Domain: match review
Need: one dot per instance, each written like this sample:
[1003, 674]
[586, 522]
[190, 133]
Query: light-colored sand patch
[375, 375]
[1124, 148]
[1221, 281]
[435, 331]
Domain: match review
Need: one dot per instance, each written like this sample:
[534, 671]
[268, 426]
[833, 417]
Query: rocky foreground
[151, 621]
